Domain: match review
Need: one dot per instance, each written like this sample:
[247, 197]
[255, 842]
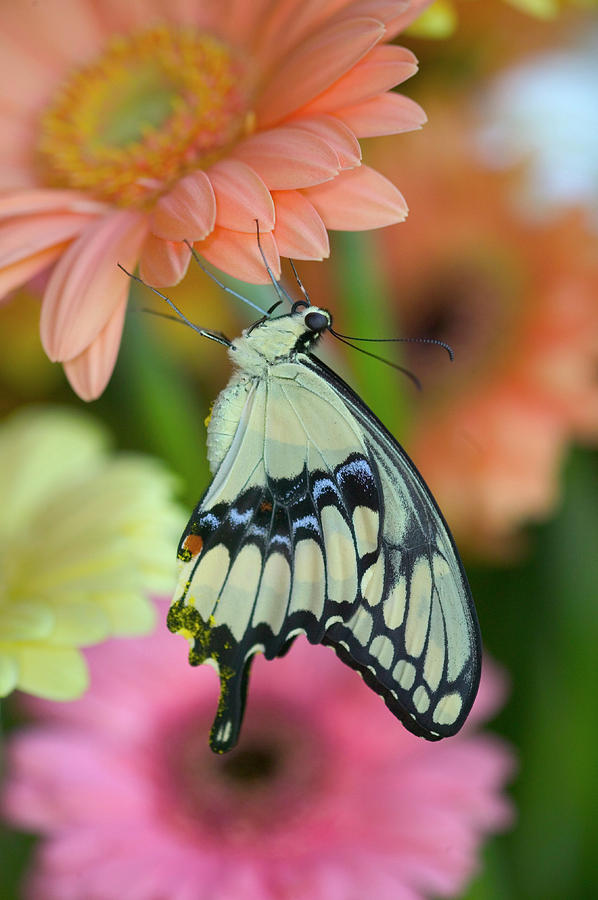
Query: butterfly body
[317, 523]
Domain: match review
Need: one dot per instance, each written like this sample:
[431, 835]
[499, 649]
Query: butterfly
[316, 522]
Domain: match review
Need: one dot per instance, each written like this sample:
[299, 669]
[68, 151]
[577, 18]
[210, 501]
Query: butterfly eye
[317, 321]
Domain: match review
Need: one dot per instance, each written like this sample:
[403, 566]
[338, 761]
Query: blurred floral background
[109, 787]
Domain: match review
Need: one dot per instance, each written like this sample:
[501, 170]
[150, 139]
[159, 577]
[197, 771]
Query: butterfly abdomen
[225, 417]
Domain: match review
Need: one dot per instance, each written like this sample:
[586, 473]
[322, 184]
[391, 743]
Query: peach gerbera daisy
[131, 128]
[517, 300]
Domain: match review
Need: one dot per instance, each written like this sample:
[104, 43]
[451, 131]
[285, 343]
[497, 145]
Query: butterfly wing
[414, 635]
[317, 523]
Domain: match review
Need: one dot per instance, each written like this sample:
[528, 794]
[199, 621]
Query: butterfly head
[272, 340]
[314, 321]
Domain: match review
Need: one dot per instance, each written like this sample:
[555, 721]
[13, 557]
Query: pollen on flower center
[154, 106]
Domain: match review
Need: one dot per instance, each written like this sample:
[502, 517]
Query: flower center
[155, 106]
[251, 764]
[276, 771]
[466, 303]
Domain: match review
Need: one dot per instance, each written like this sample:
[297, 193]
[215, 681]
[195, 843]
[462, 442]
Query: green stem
[367, 310]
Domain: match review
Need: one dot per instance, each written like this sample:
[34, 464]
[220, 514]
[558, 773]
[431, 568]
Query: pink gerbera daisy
[325, 797]
[130, 128]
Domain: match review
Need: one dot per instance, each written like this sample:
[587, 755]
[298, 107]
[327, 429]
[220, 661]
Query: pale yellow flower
[85, 536]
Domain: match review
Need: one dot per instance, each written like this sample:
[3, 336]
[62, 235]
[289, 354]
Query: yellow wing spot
[186, 620]
[207, 419]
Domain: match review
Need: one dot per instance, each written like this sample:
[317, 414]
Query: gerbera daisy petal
[26, 235]
[386, 114]
[238, 253]
[403, 19]
[32, 73]
[9, 673]
[381, 69]
[90, 371]
[15, 152]
[87, 285]
[18, 273]
[34, 28]
[315, 65]
[245, 20]
[187, 212]
[343, 209]
[288, 24]
[27, 202]
[241, 197]
[163, 263]
[55, 673]
[338, 135]
[287, 158]
[300, 232]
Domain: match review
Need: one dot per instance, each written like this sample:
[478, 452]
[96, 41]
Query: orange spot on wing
[265, 506]
[193, 543]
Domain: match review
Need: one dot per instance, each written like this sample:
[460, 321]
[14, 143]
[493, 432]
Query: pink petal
[21, 203]
[314, 66]
[238, 254]
[33, 78]
[244, 20]
[291, 24]
[399, 22]
[358, 199]
[19, 273]
[241, 21]
[34, 28]
[300, 232]
[386, 114]
[87, 286]
[241, 197]
[24, 236]
[288, 158]
[90, 372]
[385, 10]
[288, 24]
[163, 263]
[188, 211]
[15, 175]
[379, 71]
[16, 151]
[337, 135]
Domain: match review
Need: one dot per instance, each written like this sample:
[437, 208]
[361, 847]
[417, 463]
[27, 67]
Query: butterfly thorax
[273, 342]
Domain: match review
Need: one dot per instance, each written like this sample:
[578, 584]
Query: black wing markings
[216, 641]
[433, 528]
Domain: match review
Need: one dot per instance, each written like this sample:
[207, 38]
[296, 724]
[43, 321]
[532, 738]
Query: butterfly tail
[231, 708]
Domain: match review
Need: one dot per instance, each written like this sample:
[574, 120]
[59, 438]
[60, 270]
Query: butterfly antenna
[406, 340]
[300, 283]
[217, 281]
[381, 359]
[277, 285]
[211, 335]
